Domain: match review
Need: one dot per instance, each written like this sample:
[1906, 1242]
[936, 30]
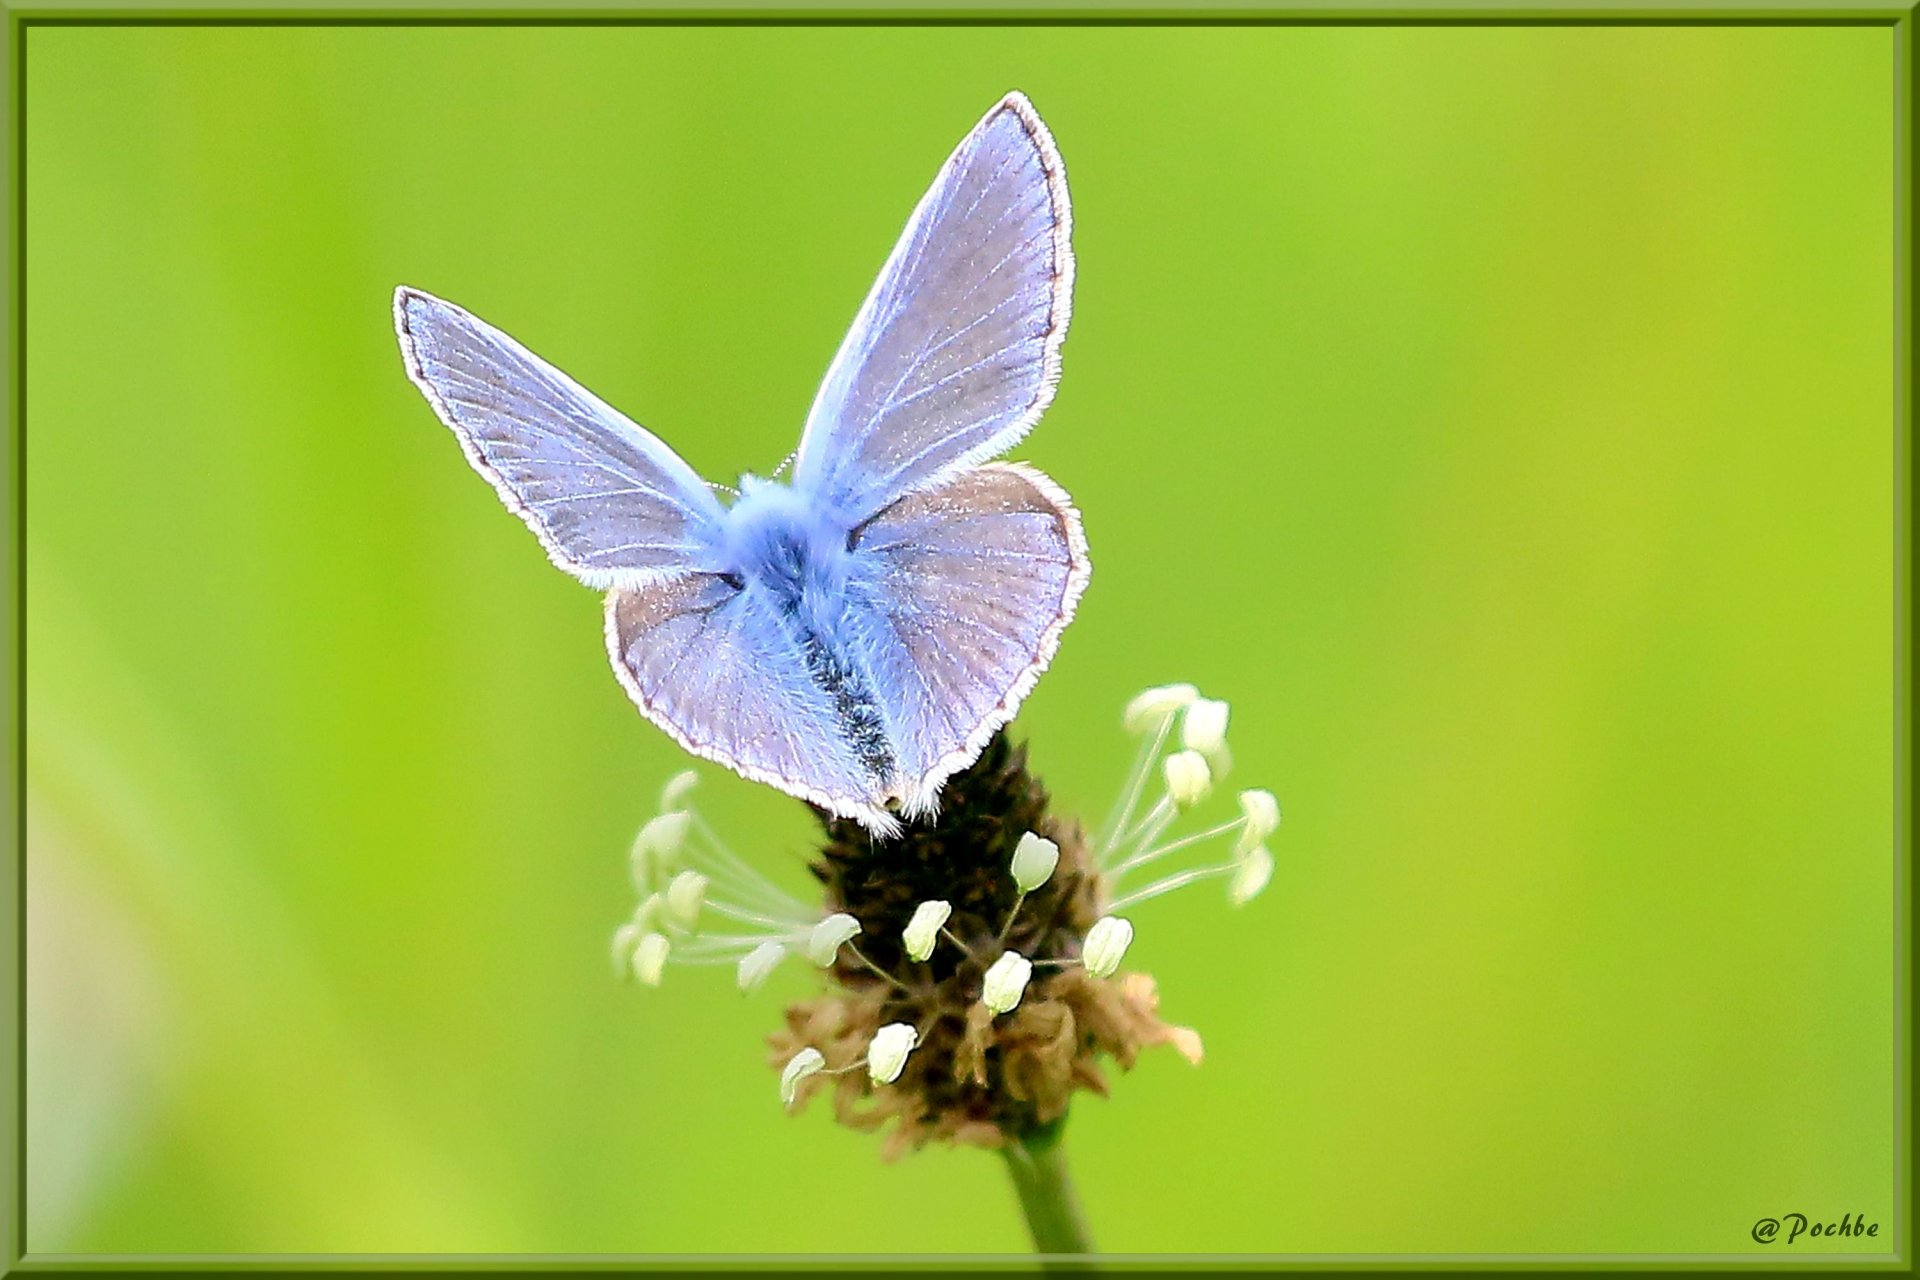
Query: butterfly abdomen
[854, 705]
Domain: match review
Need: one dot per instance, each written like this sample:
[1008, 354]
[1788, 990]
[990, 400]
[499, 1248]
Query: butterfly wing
[611, 504]
[714, 666]
[968, 586]
[955, 352]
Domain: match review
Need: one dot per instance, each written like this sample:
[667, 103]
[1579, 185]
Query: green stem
[1038, 1165]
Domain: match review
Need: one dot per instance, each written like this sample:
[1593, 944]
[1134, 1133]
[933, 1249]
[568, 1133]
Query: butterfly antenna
[724, 488]
[784, 464]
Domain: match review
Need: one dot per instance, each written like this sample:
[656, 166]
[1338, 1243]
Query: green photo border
[19, 19]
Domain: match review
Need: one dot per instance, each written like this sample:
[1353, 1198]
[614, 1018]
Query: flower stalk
[1037, 1163]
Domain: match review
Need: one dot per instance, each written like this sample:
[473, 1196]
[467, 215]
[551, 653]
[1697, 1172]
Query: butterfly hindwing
[719, 670]
[968, 585]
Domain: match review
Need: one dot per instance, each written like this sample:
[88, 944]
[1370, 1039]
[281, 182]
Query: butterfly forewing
[608, 500]
[955, 352]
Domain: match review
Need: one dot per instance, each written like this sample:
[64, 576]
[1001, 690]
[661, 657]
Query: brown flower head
[1000, 1011]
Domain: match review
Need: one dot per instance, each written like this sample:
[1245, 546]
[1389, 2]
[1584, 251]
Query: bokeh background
[1501, 419]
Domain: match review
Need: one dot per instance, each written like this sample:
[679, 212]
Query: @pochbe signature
[1799, 1226]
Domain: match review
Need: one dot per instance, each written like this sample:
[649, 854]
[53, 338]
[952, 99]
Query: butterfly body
[799, 562]
[854, 637]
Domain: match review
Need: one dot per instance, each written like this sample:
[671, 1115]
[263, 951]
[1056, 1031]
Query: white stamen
[1034, 859]
[1189, 781]
[1220, 760]
[1263, 818]
[1169, 883]
[657, 847]
[887, 1055]
[1113, 830]
[1106, 943]
[801, 1065]
[684, 897]
[1120, 869]
[1251, 876]
[824, 943]
[783, 924]
[734, 944]
[1155, 821]
[679, 786]
[1150, 706]
[923, 930]
[1006, 981]
[625, 939]
[1204, 727]
[740, 877]
[650, 958]
[758, 964]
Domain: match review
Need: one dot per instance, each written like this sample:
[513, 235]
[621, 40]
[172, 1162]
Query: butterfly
[856, 636]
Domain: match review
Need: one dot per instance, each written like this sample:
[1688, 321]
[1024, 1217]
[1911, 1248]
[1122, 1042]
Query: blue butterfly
[856, 637]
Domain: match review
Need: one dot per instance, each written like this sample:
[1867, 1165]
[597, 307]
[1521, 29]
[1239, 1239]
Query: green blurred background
[1500, 418]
